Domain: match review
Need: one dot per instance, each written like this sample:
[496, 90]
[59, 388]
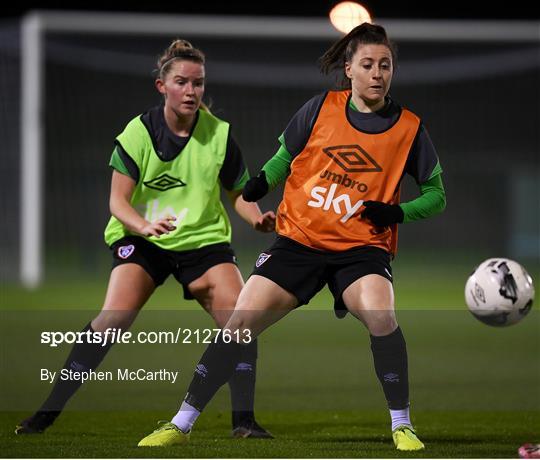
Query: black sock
[83, 357]
[215, 367]
[242, 385]
[390, 359]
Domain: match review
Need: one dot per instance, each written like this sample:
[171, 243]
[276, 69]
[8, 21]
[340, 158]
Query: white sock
[185, 418]
[400, 417]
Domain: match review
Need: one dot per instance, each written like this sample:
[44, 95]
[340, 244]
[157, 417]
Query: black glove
[255, 188]
[382, 214]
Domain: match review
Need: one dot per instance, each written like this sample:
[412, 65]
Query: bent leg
[129, 288]
[261, 303]
[371, 300]
[217, 291]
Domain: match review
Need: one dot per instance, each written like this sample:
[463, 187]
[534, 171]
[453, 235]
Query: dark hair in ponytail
[343, 50]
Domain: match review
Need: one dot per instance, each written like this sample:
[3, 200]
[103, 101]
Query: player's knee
[224, 300]
[202, 291]
[381, 323]
[239, 325]
[221, 317]
[109, 319]
[219, 303]
[234, 324]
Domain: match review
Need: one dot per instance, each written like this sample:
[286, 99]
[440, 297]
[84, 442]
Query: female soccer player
[343, 155]
[167, 218]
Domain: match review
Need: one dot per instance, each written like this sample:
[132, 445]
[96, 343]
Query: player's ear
[160, 85]
[348, 70]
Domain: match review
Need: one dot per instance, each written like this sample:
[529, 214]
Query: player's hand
[255, 188]
[382, 214]
[266, 223]
[159, 227]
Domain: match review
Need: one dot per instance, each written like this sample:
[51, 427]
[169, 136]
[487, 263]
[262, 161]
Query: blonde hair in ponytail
[183, 50]
[178, 49]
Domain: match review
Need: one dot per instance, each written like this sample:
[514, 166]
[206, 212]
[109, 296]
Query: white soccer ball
[499, 292]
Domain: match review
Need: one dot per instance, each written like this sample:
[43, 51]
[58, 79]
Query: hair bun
[179, 44]
[178, 49]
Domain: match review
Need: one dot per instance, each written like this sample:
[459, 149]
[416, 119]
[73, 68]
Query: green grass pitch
[475, 390]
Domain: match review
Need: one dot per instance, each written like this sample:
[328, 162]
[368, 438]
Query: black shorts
[186, 266]
[304, 271]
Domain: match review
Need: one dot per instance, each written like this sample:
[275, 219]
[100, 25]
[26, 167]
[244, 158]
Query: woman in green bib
[167, 218]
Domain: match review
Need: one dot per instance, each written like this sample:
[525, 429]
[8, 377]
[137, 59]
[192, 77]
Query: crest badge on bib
[125, 251]
[263, 257]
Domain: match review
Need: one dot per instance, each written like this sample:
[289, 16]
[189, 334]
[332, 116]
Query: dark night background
[477, 98]
[397, 9]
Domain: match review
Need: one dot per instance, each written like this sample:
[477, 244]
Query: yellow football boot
[168, 434]
[405, 439]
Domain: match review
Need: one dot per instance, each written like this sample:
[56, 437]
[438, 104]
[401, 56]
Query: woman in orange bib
[343, 156]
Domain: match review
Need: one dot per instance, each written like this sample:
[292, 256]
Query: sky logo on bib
[326, 199]
[164, 182]
[263, 257]
[152, 210]
[125, 251]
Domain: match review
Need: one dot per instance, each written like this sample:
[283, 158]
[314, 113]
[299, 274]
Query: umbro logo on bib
[164, 182]
[352, 158]
[263, 257]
